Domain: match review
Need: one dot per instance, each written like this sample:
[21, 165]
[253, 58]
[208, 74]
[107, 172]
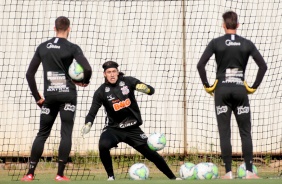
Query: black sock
[61, 168]
[227, 167]
[249, 166]
[32, 166]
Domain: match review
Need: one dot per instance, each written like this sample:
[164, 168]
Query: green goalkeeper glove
[143, 88]
[86, 129]
[210, 89]
[249, 89]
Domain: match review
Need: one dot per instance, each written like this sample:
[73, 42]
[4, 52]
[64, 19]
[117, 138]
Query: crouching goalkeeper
[123, 118]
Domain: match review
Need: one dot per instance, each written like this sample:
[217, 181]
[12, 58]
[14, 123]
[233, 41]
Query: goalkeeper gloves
[249, 89]
[210, 89]
[143, 88]
[86, 129]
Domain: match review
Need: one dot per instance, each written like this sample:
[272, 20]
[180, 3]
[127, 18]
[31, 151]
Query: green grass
[48, 177]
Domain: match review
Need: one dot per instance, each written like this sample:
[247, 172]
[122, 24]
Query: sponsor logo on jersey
[122, 104]
[110, 97]
[233, 75]
[143, 136]
[45, 110]
[243, 110]
[107, 89]
[127, 124]
[121, 83]
[231, 43]
[124, 90]
[69, 107]
[51, 46]
[221, 109]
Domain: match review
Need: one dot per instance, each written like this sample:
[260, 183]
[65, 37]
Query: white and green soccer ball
[186, 171]
[241, 171]
[203, 171]
[139, 171]
[76, 71]
[156, 141]
[214, 169]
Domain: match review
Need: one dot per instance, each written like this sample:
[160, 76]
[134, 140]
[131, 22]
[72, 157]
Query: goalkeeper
[123, 118]
[230, 89]
[60, 94]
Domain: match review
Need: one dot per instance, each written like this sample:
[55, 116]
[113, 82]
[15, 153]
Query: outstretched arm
[145, 88]
[96, 104]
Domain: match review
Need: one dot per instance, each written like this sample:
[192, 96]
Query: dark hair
[230, 19]
[62, 23]
[110, 64]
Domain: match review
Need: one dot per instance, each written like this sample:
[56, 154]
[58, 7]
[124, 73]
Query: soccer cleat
[111, 178]
[227, 176]
[61, 178]
[251, 175]
[178, 179]
[28, 177]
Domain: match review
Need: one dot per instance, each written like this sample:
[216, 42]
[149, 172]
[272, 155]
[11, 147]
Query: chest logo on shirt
[51, 46]
[110, 97]
[121, 83]
[107, 89]
[124, 90]
[122, 104]
[231, 43]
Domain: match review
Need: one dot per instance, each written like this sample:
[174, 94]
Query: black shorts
[132, 136]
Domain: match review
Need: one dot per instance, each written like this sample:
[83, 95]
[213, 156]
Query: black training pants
[227, 100]
[66, 105]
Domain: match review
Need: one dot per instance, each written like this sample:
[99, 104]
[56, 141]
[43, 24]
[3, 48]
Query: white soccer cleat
[111, 178]
[227, 176]
[251, 175]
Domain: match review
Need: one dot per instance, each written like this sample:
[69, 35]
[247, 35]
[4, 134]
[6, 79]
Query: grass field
[48, 177]
[46, 171]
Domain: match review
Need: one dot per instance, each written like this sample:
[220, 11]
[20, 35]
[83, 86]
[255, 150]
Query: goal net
[160, 43]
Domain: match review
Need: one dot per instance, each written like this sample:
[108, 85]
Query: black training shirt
[119, 102]
[56, 56]
[231, 54]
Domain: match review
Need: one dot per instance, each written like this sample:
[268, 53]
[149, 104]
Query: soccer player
[123, 118]
[231, 90]
[60, 94]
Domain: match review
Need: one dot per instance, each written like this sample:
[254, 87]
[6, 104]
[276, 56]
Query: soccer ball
[241, 171]
[203, 171]
[214, 169]
[138, 171]
[76, 71]
[156, 141]
[187, 171]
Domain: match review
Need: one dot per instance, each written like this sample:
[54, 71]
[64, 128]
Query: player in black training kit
[123, 118]
[60, 93]
[230, 89]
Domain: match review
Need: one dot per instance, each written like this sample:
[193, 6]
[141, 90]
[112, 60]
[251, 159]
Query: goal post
[160, 43]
